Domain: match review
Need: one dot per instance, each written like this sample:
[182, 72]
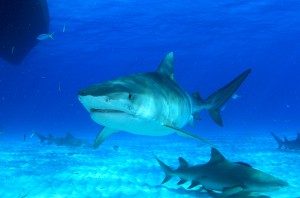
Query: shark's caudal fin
[278, 140]
[167, 170]
[215, 101]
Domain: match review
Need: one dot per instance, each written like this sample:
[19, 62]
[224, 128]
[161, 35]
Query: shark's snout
[81, 92]
[283, 183]
[87, 91]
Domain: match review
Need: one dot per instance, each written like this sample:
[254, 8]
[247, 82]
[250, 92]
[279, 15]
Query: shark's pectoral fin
[182, 181]
[166, 179]
[193, 184]
[231, 191]
[102, 135]
[187, 134]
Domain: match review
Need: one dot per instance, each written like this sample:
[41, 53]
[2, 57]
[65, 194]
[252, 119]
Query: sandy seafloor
[124, 166]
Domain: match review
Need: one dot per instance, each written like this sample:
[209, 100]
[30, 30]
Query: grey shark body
[288, 144]
[150, 103]
[68, 140]
[219, 174]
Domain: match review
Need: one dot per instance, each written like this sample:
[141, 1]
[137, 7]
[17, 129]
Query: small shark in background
[151, 103]
[219, 174]
[68, 140]
[288, 144]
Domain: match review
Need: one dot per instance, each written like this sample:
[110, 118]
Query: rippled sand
[126, 167]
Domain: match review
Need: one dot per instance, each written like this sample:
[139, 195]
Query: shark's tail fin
[215, 101]
[278, 140]
[167, 170]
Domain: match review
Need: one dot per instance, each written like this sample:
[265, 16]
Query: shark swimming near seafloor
[232, 179]
[151, 103]
[68, 140]
[288, 144]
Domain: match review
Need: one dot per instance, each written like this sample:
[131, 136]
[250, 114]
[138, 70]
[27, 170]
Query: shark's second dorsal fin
[183, 163]
[166, 66]
[216, 156]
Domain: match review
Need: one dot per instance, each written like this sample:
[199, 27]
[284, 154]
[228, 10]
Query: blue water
[213, 42]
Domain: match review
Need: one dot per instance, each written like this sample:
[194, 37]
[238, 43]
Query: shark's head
[263, 182]
[110, 103]
[253, 180]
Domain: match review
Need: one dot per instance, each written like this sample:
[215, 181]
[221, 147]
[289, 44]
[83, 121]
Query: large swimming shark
[219, 174]
[288, 144]
[151, 103]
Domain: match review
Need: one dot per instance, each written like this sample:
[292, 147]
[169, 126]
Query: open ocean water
[95, 41]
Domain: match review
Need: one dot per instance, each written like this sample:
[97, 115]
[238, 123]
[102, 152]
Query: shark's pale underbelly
[131, 124]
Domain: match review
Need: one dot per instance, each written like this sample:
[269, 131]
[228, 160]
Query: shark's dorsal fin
[216, 156]
[183, 163]
[166, 66]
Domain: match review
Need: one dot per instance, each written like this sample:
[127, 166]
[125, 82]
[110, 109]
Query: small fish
[12, 49]
[235, 96]
[64, 28]
[32, 134]
[59, 88]
[45, 36]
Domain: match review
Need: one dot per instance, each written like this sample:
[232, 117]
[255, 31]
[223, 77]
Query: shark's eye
[129, 96]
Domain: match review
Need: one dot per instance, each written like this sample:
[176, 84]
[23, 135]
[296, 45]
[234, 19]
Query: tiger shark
[219, 174]
[151, 103]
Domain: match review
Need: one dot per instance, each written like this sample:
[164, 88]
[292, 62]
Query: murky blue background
[213, 42]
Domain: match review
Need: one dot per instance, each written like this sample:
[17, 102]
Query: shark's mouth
[105, 111]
